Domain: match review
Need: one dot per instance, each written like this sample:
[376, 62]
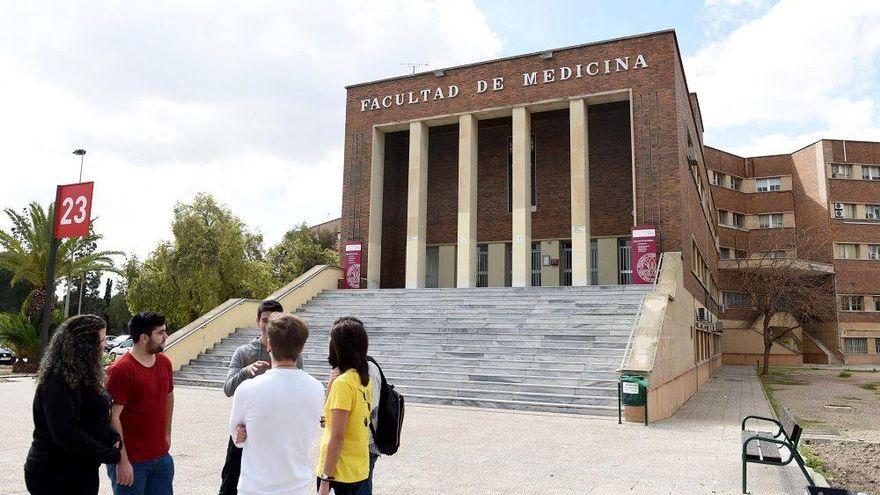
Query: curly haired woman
[72, 434]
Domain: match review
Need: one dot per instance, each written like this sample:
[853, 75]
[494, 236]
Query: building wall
[657, 154]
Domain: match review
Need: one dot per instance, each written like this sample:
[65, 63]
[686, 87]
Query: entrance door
[432, 267]
[565, 263]
[482, 265]
[623, 261]
[536, 264]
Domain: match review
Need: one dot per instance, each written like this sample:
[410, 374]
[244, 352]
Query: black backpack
[386, 435]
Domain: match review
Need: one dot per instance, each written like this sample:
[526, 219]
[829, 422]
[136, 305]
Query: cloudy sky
[245, 100]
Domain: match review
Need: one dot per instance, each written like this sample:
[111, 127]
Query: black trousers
[231, 470]
[81, 481]
[344, 488]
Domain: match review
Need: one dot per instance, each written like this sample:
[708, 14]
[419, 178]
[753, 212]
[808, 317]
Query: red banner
[73, 209]
[643, 254]
[351, 262]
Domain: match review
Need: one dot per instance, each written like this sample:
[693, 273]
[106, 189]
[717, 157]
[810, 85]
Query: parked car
[7, 356]
[122, 348]
[115, 341]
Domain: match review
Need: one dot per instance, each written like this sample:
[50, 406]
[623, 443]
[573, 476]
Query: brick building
[533, 169]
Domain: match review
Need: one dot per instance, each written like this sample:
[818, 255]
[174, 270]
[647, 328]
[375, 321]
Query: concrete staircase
[551, 349]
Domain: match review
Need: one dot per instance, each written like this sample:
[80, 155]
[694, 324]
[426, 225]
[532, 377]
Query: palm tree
[25, 252]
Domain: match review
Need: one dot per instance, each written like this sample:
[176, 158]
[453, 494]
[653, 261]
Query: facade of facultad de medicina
[537, 169]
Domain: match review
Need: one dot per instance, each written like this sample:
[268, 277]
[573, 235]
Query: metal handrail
[635, 325]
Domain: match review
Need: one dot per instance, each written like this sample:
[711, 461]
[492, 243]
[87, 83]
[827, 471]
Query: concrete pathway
[452, 450]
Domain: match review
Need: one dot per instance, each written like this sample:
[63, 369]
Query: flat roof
[512, 57]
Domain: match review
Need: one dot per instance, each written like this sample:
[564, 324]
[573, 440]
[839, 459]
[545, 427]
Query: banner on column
[351, 262]
[643, 254]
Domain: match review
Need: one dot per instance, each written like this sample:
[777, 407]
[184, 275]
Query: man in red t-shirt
[142, 388]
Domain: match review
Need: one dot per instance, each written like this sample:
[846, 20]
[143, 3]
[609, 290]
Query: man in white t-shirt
[275, 417]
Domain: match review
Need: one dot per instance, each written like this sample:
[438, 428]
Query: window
[736, 300]
[699, 264]
[771, 221]
[736, 183]
[856, 346]
[740, 254]
[844, 210]
[847, 251]
[624, 271]
[737, 220]
[851, 303]
[877, 346]
[872, 212]
[870, 172]
[510, 175]
[723, 217]
[874, 251]
[717, 178]
[724, 253]
[769, 184]
[841, 171]
[877, 308]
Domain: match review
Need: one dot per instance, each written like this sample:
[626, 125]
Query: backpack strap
[384, 384]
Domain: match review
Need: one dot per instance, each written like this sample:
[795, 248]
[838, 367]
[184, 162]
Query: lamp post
[81, 153]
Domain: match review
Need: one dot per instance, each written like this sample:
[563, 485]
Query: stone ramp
[550, 349]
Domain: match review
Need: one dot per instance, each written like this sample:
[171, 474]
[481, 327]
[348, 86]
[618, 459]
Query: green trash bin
[634, 390]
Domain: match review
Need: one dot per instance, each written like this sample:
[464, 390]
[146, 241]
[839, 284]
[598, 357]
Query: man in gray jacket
[248, 361]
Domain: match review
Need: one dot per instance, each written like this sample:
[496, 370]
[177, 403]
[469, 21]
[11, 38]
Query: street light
[82, 155]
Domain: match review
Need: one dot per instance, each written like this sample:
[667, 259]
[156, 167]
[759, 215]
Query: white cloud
[802, 71]
[244, 100]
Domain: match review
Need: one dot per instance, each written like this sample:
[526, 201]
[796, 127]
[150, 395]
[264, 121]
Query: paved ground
[448, 450]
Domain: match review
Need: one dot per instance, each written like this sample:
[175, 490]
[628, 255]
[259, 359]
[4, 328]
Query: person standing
[344, 463]
[248, 361]
[275, 417]
[375, 387]
[72, 433]
[142, 388]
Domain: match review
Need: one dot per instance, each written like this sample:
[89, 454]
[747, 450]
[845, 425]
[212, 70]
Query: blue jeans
[150, 477]
[367, 487]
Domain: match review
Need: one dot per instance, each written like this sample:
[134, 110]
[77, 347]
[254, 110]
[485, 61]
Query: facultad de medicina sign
[596, 68]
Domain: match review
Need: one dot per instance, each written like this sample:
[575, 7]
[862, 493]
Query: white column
[522, 198]
[580, 194]
[374, 239]
[416, 205]
[467, 201]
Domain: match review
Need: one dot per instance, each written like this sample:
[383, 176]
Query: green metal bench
[761, 448]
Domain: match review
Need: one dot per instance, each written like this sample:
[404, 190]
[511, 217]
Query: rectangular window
[874, 251]
[723, 217]
[771, 221]
[844, 210]
[877, 307]
[841, 171]
[623, 261]
[870, 172]
[736, 300]
[856, 346]
[717, 179]
[740, 254]
[847, 251]
[851, 303]
[723, 253]
[482, 265]
[737, 220]
[736, 183]
[510, 175]
[872, 212]
[769, 184]
[877, 346]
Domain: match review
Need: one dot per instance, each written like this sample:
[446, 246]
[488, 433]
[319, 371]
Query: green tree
[299, 251]
[12, 296]
[24, 251]
[212, 257]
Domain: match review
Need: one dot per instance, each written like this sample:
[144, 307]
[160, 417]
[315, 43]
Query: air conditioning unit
[704, 316]
[874, 256]
[871, 215]
[838, 210]
[721, 309]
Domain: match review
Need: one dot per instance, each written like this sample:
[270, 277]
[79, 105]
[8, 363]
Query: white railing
[635, 325]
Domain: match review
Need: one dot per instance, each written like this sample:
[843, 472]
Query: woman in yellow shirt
[344, 463]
